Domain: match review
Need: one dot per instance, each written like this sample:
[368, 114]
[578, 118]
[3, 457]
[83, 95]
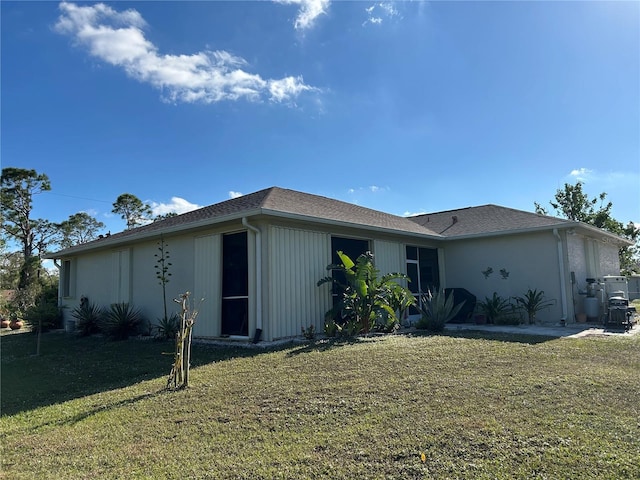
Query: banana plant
[365, 296]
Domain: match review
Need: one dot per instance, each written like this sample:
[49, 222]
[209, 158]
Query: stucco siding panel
[298, 259]
[531, 261]
[609, 259]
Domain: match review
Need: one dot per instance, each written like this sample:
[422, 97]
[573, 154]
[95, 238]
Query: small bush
[121, 321]
[46, 315]
[167, 328]
[330, 328]
[88, 318]
[309, 333]
[495, 307]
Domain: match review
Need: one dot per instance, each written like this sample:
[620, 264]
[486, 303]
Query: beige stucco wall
[95, 274]
[530, 259]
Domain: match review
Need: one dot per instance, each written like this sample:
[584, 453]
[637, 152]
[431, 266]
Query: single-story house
[256, 259]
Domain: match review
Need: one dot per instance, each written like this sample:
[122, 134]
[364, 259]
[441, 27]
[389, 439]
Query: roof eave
[326, 221]
[114, 242]
[565, 225]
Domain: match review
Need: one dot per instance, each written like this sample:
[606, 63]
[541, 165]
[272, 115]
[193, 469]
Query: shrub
[437, 309]
[121, 321]
[167, 328]
[495, 307]
[330, 328]
[44, 314]
[309, 333]
[532, 302]
[88, 318]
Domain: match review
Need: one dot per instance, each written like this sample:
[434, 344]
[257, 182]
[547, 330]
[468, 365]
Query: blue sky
[405, 107]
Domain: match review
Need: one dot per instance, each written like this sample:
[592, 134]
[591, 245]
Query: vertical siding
[207, 285]
[120, 276]
[298, 259]
[388, 257]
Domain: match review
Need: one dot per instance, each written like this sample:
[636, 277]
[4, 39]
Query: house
[255, 260]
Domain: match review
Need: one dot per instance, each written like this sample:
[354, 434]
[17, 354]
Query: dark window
[235, 285]
[66, 278]
[351, 247]
[423, 271]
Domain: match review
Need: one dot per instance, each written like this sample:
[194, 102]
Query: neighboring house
[256, 259]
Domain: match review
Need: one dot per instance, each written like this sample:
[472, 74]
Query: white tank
[592, 308]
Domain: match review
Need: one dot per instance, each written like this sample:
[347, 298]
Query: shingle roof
[485, 219]
[274, 201]
[317, 207]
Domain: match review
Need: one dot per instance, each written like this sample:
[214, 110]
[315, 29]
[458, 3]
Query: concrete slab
[575, 330]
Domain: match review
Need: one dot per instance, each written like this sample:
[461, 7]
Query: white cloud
[309, 11]
[207, 77]
[233, 194]
[370, 188]
[176, 205]
[413, 214]
[377, 11]
[581, 174]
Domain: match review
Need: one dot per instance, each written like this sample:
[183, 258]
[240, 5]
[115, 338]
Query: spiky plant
[532, 302]
[437, 308]
[122, 321]
[89, 317]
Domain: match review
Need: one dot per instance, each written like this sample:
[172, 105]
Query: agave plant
[168, 327]
[437, 308]
[532, 302]
[88, 317]
[121, 321]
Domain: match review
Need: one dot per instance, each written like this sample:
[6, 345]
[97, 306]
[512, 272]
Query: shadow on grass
[528, 339]
[70, 367]
[324, 345]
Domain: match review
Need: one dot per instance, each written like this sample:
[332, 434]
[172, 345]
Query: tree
[132, 210]
[10, 266]
[79, 228]
[572, 203]
[16, 196]
[163, 216]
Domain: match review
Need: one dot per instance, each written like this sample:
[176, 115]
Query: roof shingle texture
[281, 201]
[483, 220]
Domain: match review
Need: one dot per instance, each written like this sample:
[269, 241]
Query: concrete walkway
[574, 330]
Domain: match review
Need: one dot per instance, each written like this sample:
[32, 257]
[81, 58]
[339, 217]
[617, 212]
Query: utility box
[613, 283]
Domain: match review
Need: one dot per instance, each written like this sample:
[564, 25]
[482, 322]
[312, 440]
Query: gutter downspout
[563, 287]
[258, 276]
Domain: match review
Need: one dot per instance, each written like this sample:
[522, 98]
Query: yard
[457, 405]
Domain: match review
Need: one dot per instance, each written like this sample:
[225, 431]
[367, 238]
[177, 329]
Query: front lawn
[465, 405]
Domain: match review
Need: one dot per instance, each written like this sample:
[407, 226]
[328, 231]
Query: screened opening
[353, 248]
[235, 285]
[423, 271]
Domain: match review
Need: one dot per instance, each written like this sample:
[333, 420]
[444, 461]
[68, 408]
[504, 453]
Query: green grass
[477, 405]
